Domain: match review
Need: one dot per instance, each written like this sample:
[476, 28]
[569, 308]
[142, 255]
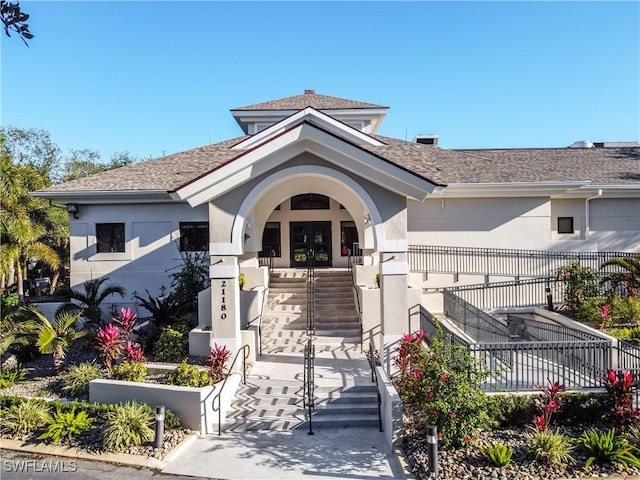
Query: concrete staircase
[344, 395]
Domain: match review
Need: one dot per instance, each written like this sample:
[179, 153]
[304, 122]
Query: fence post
[549, 296]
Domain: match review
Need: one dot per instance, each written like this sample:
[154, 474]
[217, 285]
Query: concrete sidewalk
[346, 453]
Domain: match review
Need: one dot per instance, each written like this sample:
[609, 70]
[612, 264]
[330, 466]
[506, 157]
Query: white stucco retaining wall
[391, 406]
[194, 406]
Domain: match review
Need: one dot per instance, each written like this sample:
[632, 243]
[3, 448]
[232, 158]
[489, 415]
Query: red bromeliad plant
[133, 352]
[621, 387]
[109, 344]
[126, 321]
[548, 403]
[217, 362]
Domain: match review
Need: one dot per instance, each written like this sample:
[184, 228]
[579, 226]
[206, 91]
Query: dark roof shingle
[308, 99]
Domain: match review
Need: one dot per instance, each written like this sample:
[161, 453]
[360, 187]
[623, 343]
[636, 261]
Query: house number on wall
[223, 302]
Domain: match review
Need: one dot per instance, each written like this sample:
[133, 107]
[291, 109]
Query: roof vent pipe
[582, 144]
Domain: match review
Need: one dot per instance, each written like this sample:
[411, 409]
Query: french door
[310, 238]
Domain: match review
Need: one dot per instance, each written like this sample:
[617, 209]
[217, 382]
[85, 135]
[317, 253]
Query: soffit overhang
[559, 190]
[106, 196]
[279, 146]
[374, 115]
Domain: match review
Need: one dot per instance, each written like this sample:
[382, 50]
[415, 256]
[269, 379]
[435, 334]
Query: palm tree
[628, 274]
[22, 235]
[94, 294]
[56, 338]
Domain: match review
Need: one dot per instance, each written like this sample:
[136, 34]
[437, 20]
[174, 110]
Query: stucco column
[225, 301]
[394, 273]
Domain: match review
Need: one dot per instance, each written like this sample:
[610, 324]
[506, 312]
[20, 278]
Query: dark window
[565, 224]
[271, 240]
[194, 236]
[348, 236]
[310, 201]
[110, 237]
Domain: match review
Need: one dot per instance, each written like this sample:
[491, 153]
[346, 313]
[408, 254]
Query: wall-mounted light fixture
[73, 208]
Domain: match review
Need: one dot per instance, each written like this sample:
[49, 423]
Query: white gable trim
[280, 176]
[315, 117]
[304, 138]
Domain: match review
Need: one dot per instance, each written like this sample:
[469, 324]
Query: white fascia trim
[314, 116]
[304, 137]
[518, 189]
[369, 166]
[107, 196]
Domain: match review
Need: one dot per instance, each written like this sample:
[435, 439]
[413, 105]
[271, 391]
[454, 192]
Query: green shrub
[625, 310]
[499, 454]
[66, 425]
[589, 311]
[445, 382]
[129, 371]
[549, 446]
[511, 410]
[580, 284]
[12, 376]
[9, 300]
[171, 346]
[128, 424]
[607, 447]
[187, 375]
[25, 416]
[77, 379]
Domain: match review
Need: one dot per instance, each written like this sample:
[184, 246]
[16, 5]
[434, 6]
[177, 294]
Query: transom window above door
[310, 201]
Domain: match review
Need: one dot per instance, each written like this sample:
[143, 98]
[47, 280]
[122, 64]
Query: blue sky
[160, 77]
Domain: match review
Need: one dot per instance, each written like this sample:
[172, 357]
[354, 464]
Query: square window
[110, 237]
[194, 236]
[565, 225]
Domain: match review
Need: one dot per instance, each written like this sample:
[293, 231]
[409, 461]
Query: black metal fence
[500, 261]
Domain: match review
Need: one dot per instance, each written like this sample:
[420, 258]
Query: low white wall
[391, 406]
[48, 309]
[194, 406]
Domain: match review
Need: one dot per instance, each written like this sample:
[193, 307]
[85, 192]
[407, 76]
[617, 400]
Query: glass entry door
[310, 238]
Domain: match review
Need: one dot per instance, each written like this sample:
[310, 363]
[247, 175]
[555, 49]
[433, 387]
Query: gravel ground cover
[469, 464]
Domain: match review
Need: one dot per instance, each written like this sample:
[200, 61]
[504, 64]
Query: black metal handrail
[373, 362]
[215, 404]
[308, 385]
[501, 261]
[266, 260]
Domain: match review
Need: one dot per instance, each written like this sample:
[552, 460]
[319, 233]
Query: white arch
[281, 176]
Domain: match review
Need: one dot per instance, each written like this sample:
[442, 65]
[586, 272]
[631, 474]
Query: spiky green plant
[128, 424]
[12, 376]
[77, 379]
[67, 425]
[24, 417]
[499, 454]
[607, 447]
[549, 446]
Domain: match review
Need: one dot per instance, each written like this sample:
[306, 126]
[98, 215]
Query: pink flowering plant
[621, 387]
[113, 340]
[443, 381]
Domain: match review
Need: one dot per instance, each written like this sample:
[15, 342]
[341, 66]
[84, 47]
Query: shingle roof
[601, 166]
[308, 99]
